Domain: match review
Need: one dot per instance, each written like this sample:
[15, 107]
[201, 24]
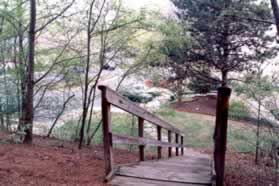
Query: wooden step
[186, 170]
[130, 181]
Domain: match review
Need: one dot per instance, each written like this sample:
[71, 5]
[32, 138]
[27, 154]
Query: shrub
[137, 94]
[238, 110]
[154, 94]
[202, 86]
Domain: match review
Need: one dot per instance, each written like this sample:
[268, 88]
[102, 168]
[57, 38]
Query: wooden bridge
[183, 167]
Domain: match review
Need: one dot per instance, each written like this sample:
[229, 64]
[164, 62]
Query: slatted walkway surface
[192, 169]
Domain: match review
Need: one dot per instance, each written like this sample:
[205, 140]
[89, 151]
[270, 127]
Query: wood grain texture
[195, 169]
[128, 106]
[141, 134]
[130, 140]
[127, 181]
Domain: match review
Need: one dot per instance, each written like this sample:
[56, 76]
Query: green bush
[138, 98]
[238, 110]
[155, 94]
[201, 86]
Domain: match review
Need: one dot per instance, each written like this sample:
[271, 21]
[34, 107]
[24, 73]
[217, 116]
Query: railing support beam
[176, 141]
[159, 138]
[141, 134]
[182, 145]
[107, 135]
[169, 140]
[220, 134]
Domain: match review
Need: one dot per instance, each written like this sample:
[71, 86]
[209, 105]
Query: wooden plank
[182, 142]
[185, 164]
[169, 140]
[127, 105]
[187, 168]
[165, 174]
[141, 133]
[192, 169]
[107, 138]
[123, 139]
[131, 181]
[159, 137]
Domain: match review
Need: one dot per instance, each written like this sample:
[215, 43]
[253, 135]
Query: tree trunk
[86, 83]
[275, 9]
[179, 90]
[258, 133]
[224, 78]
[59, 115]
[28, 112]
[2, 124]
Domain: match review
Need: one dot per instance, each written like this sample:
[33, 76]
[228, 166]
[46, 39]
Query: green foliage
[70, 130]
[238, 110]
[198, 130]
[155, 94]
[255, 86]
[137, 98]
[202, 85]
[223, 30]
[139, 95]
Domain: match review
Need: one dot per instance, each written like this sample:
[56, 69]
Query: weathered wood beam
[176, 141]
[169, 140]
[123, 139]
[141, 134]
[159, 138]
[220, 134]
[127, 105]
[107, 138]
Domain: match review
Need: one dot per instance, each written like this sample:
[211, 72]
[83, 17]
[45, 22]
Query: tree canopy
[226, 33]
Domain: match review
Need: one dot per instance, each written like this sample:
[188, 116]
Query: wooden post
[169, 140]
[182, 145]
[141, 134]
[159, 137]
[107, 136]
[177, 148]
[220, 134]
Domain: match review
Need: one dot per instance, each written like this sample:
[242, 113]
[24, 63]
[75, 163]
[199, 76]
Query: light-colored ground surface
[192, 169]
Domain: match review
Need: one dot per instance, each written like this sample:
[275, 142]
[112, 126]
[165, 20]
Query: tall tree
[224, 40]
[28, 112]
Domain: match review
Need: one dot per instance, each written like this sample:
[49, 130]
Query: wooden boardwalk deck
[193, 169]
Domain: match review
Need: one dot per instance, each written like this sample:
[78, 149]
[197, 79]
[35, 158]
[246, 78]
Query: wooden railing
[220, 134]
[110, 97]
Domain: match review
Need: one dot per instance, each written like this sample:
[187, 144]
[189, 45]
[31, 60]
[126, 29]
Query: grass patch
[121, 124]
[238, 110]
[198, 129]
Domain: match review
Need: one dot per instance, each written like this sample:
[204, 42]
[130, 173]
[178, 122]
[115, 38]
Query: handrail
[110, 97]
[123, 103]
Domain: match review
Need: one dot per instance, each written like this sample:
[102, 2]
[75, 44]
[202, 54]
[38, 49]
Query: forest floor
[56, 162]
